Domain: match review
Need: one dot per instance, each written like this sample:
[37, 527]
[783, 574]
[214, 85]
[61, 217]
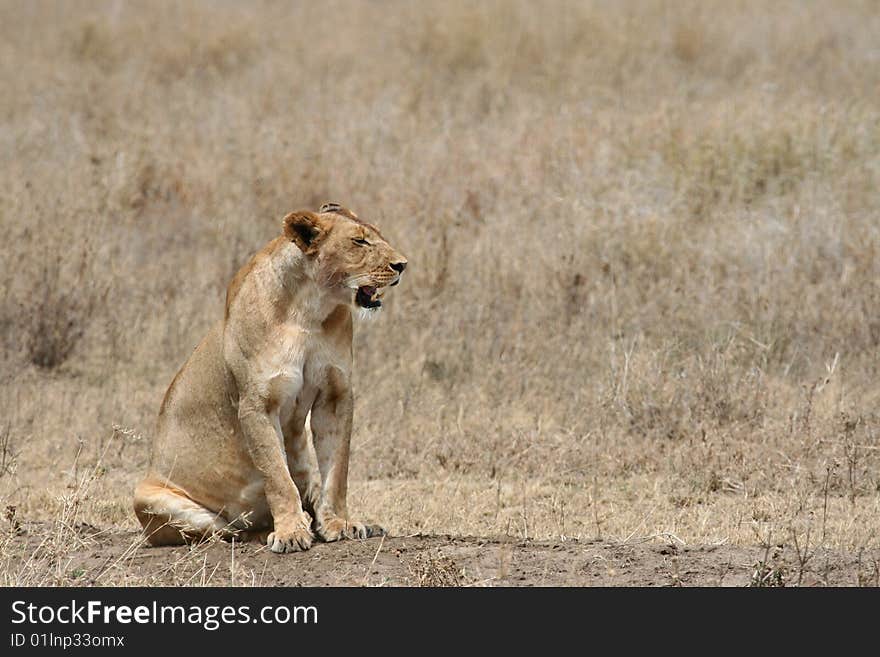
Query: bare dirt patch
[118, 558]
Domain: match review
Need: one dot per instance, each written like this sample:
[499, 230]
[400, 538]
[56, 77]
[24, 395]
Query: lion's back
[197, 418]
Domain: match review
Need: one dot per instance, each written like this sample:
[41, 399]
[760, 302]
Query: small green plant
[767, 572]
[436, 570]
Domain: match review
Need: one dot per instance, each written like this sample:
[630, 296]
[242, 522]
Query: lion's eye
[360, 241]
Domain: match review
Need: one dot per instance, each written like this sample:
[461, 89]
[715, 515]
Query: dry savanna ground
[640, 324]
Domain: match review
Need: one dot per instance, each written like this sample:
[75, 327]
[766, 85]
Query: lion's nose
[398, 266]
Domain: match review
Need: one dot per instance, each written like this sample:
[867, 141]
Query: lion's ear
[304, 229]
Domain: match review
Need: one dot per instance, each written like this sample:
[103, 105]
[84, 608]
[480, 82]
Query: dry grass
[643, 239]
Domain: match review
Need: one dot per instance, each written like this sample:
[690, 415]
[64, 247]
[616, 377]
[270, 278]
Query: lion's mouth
[368, 296]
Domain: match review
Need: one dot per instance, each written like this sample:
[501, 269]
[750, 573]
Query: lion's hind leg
[169, 517]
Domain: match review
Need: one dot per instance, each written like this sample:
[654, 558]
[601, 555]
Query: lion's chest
[296, 371]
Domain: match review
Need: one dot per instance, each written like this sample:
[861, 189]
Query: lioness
[230, 455]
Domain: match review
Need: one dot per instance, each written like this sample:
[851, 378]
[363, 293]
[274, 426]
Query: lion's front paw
[297, 537]
[334, 529]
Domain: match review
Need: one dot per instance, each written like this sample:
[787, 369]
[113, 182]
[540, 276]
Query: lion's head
[350, 255]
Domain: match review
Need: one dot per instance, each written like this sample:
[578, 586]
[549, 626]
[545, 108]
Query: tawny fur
[231, 455]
